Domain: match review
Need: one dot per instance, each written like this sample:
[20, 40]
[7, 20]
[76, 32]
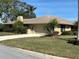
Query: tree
[51, 25]
[10, 9]
[30, 11]
[5, 8]
[18, 27]
[7, 1]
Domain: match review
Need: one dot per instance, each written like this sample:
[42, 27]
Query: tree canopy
[10, 9]
[7, 1]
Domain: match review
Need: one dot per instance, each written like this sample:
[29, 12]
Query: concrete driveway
[7, 37]
[16, 53]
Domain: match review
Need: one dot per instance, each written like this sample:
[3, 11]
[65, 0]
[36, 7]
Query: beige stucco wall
[37, 29]
[58, 29]
[68, 29]
[40, 29]
[29, 31]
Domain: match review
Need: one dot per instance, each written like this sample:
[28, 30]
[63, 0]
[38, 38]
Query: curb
[41, 55]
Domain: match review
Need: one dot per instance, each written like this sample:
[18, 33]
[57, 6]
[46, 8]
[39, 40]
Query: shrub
[6, 29]
[67, 33]
[74, 41]
[1, 27]
[19, 27]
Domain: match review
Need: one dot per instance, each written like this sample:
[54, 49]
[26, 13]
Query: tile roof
[44, 20]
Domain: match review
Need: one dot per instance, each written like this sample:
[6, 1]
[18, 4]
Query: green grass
[6, 33]
[48, 45]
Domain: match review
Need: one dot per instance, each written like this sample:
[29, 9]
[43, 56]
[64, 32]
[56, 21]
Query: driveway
[16, 53]
[20, 36]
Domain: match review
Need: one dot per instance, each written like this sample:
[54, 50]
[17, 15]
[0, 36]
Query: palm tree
[51, 26]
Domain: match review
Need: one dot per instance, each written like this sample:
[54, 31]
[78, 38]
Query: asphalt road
[12, 53]
[7, 52]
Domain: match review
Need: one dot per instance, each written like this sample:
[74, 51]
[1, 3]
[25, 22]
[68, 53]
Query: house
[36, 25]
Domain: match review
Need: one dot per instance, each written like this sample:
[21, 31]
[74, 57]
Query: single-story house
[36, 25]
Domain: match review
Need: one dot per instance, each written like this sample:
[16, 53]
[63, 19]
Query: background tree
[10, 9]
[30, 11]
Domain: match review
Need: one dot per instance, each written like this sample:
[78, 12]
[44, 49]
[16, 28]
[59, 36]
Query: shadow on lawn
[70, 40]
[73, 41]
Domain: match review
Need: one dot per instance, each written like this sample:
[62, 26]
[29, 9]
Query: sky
[67, 9]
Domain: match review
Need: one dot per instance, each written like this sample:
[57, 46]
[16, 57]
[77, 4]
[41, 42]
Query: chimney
[20, 18]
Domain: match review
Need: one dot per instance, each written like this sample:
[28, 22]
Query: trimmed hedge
[69, 33]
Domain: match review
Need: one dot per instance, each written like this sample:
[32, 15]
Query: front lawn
[48, 45]
[6, 33]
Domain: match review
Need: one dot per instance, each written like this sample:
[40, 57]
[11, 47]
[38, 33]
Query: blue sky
[67, 9]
